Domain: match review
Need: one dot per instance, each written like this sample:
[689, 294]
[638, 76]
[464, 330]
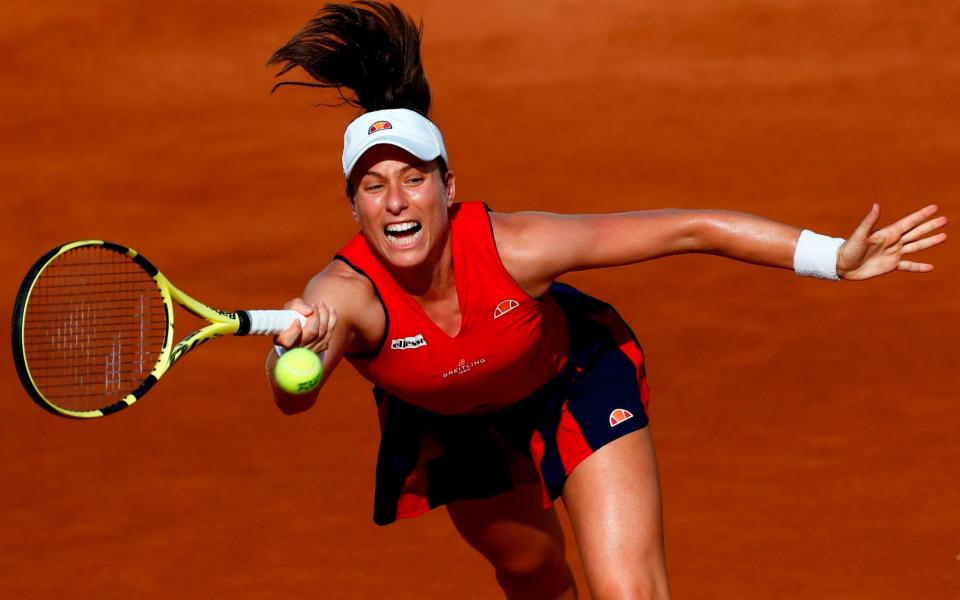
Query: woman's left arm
[536, 248]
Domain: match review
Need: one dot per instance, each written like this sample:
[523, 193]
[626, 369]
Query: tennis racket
[93, 328]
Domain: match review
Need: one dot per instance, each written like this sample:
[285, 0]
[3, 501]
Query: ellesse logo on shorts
[408, 343]
[379, 126]
[504, 307]
[619, 415]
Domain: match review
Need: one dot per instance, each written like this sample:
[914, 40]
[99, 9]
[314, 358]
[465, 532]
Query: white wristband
[816, 255]
[280, 350]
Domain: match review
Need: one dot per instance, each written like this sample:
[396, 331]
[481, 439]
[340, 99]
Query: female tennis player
[499, 389]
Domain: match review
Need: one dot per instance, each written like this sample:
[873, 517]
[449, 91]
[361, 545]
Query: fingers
[315, 333]
[914, 267]
[318, 330]
[920, 231]
[301, 306]
[867, 224]
[925, 243]
[290, 338]
[909, 222]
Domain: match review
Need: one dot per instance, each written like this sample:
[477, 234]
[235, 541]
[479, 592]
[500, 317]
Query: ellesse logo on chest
[504, 307]
[408, 343]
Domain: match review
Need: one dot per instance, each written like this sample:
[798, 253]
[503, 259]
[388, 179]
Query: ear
[450, 188]
[353, 209]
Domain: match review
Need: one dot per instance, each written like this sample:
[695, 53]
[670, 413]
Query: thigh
[613, 499]
[512, 530]
[521, 539]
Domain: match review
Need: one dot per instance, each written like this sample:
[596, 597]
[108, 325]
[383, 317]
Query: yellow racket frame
[221, 323]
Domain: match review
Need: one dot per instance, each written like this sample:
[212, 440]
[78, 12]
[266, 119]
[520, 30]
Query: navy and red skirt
[428, 459]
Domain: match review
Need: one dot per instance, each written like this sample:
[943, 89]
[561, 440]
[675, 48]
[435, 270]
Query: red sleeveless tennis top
[509, 343]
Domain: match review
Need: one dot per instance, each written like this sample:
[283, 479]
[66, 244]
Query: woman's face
[401, 204]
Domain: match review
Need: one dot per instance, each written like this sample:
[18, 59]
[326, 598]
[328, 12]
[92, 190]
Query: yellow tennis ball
[298, 371]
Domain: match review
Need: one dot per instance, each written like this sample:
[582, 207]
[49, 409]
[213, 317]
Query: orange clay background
[807, 431]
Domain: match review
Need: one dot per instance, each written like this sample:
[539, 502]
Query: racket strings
[94, 328]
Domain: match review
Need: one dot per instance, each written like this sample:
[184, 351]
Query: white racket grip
[272, 322]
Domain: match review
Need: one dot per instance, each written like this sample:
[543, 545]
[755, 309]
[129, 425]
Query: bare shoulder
[522, 232]
[338, 278]
[354, 298]
[525, 242]
[519, 223]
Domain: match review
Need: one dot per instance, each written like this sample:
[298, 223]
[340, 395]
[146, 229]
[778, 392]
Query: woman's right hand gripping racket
[93, 328]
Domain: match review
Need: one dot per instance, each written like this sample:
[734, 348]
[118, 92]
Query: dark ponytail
[369, 48]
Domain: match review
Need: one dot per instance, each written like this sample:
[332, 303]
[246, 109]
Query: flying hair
[368, 48]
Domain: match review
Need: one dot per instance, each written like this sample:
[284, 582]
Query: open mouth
[403, 234]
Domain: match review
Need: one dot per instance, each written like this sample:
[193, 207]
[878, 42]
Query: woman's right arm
[343, 315]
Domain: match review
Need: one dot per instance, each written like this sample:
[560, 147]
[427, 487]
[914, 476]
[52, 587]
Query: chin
[406, 258]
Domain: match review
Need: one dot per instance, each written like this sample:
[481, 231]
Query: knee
[534, 573]
[630, 586]
[529, 561]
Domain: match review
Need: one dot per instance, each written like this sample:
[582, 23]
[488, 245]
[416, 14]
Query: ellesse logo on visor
[504, 307]
[379, 126]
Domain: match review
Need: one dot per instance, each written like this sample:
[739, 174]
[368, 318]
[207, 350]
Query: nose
[396, 200]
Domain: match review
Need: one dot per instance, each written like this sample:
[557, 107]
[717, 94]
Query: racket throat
[190, 342]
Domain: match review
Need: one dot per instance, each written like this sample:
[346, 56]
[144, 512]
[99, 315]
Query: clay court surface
[807, 431]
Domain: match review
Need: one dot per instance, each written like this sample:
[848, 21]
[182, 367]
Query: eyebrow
[417, 165]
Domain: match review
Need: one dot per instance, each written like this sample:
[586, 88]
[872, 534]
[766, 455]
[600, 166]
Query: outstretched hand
[315, 333]
[868, 252]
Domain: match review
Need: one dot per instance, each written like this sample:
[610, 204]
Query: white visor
[394, 126]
